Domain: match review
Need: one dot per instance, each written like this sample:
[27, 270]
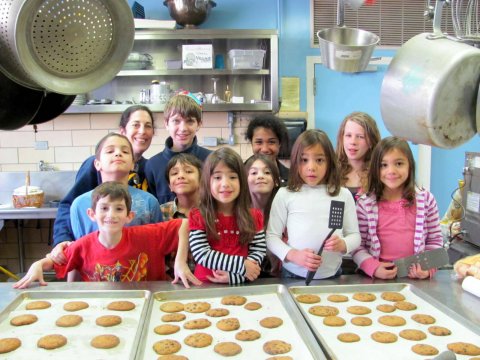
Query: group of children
[237, 211]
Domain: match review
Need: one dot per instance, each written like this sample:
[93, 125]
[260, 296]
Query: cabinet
[259, 88]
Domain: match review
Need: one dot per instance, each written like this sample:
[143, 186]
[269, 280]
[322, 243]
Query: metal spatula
[335, 221]
[428, 260]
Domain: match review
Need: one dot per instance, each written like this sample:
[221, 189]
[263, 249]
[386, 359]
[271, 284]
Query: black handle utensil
[335, 221]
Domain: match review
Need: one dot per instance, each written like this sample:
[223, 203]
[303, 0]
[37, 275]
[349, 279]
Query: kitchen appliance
[189, 13]
[471, 199]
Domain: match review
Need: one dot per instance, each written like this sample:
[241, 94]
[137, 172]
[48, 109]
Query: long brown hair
[375, 185]
[208, 205]
[305, 140]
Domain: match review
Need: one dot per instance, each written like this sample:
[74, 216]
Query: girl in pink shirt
[396, 219]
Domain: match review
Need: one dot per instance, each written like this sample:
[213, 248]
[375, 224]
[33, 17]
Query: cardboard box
[197, 56]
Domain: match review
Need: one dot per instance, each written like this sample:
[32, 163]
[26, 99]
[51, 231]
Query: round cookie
[122, 305]
[423, 319]
[197, 307]
[22, 320]
[9, 344]
[348, 337]
[228, 324]
[166, 347]
[392, 296]
[320, 310]
[218, 312]
[227, 348]
[271, 322]
[106, 341]
[172, 357]
[439, 331]
[361, 321]
[391, 320]
[38, 305]
[247, 335]
[333, 321]
[337, 298]
[69, 320]
[384, 337]
[75, 305]
[463, 348]
[308, 298]
[364, 296]
[172, 307]
[386, 308]
[358, 310]
[50, 342]
[234, 300]
[405, 305]
[175, 317]
[108, 320]
[413, 334]
[197, 324]
[166, 329]
[280, 358]
[275, 347]
[424, 349]
[198, 340]
[252, 306]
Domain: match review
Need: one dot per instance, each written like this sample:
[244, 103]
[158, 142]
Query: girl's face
[139, 131]
[225, 187]
[260, 180]
[394, 170]
[116, 158]
[184, 178]
[355, 142]
[265, 142]
[313, 165]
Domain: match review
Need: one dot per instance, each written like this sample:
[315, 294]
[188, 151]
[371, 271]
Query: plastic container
[173, 64]
[245, 59]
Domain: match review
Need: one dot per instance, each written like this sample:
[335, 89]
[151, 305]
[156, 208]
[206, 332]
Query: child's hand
[416, 272]
[57, 255]
[219, 276]
[336, 244]
[252, 269]
[34, 273]
[307, 258]
[386, 270]
[182, 272]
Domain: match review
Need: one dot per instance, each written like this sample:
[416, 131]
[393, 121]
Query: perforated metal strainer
[64, 46]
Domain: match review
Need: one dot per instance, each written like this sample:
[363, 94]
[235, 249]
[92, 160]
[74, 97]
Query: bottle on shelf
[227, 95]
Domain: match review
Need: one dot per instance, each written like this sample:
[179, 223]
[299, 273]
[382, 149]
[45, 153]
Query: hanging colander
[64, 46]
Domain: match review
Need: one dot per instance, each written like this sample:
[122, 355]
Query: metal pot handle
[437, 21]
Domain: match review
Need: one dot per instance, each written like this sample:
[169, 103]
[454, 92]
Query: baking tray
[275, 301]
[78, 345]
[462, 329]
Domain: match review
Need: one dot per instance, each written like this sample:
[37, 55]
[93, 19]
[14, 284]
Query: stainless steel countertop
[28, 213]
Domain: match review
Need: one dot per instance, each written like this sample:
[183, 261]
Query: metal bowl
[189, 13]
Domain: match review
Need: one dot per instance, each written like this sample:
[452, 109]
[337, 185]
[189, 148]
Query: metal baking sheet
[275, 301]
[78, 345]
[462, 329]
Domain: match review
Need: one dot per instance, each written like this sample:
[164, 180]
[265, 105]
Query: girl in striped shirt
[396, 219]
[227, 239]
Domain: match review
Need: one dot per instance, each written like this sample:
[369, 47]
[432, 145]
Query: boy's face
[110, 215]
[182, 131]
[116, 158]
[184, 179]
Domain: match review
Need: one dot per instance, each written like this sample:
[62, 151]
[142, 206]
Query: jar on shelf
[155, 92]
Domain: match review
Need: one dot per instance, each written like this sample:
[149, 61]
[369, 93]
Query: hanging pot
[53, 105]
[429, 92]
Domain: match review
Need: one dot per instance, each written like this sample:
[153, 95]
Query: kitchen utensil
[466, 20]
[215, 98]
[53, 105]
[68, 47]
[428, 260]
[9, 274]
[189, 13]
[335, 221]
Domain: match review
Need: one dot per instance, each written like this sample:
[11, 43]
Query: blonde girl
[396, 218]
[357, 136]
[227, 239]
[303, 208]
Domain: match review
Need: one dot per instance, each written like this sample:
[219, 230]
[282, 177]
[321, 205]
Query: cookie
[423, 319]
[9, 344]
[358, 310]
[22, 320]
[308, 298]
[197, 307]
[173, 317]
[271, 322]
[227, 348]
[107, 341]
[229, 324]
[69, 320]
[197, 324]
[218, 312]
[412, 334]
[364, 296]
[392, 296]
[337, 298]
[75, 305]
[234, 300]
[108, 320]
[172, 357]
[166, 329]
[172, 307]
[405, 306]
[280, 358]
[384, 337]
[275, 347]
[50, 342]
[166, 347]
[439, 331]
[348, 337]
[198, 340]
[333, 321]
[252, 306]
[121, 305]
[361, 321]
[319, 310]
[38, 305]
[463, 348]
[247, 335]
[392, 320]
[386, 308]
[424, 349]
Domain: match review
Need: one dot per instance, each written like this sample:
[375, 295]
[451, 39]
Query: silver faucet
[43, 166]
